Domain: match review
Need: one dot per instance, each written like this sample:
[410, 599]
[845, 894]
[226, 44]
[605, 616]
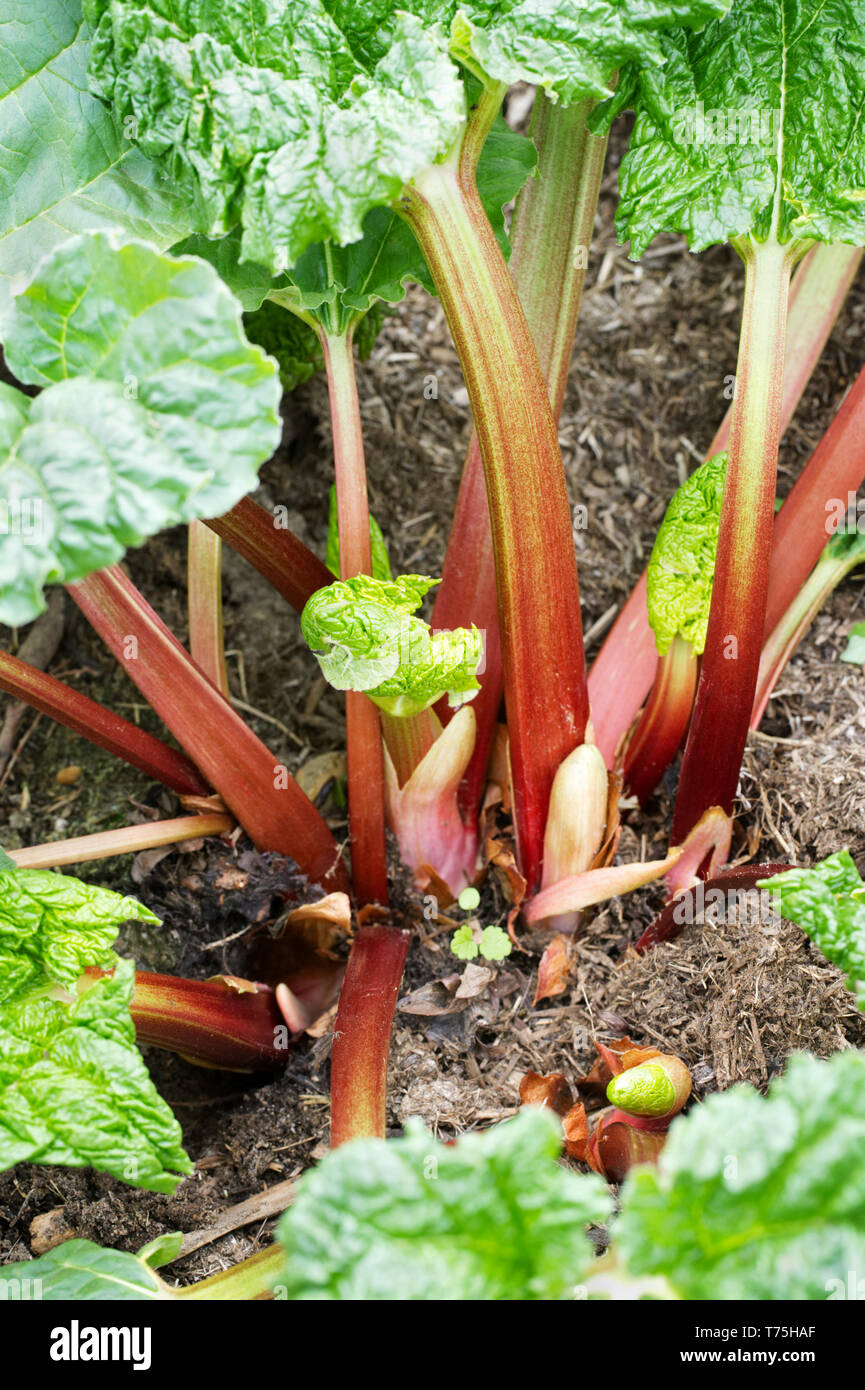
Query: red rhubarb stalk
[206, 642]
[277, 554]
[731, 659]
[550, 236]
[100, 726]
[361, 1040]
[128, 839]
[362, 720]
[258, 789]
[536, 571]
[223, 1022]
[624, 669]
[664, 721]
[813, 508]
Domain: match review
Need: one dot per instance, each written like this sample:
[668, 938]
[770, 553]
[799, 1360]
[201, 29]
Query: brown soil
[658, 342]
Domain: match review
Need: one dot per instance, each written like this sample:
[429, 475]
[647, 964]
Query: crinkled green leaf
[828, 903]
[572, 50]
[365, 638]
[682, 564]
[53, 927]
[66, 165]
[155, 410]
[80, 1272]
[298, 118]
[269, 118]
[74, 1089]
[491, 1217]
[380, 559]
[754, 125]
[757, 1198]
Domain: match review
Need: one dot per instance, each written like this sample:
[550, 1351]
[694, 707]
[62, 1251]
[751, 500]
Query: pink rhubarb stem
[277, 554]
[731, 659]
[664, 722]
[361, 1040]
[362, 720]
[536, 571]
[129, 839]
[622, 673]
[834, 472]
[100, 726]
[409, 740]
[258, 789]
[786, 636]
[206, 641]
[550, 237]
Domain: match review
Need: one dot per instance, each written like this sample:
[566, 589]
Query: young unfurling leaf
[682, 564]
[366, 638]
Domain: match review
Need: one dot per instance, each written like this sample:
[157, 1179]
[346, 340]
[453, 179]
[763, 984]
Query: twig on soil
[259, 1208]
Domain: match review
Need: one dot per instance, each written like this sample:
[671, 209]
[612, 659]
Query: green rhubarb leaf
[74, 1088]
[66, 165]
[757, 1198]
[491, 1217]
[155, 410]
[269, 117]
[298, 119]
[380, 559]
[53, 927]
[752, 128]
[7, 863]
[682, 564]
[828, 903]
[570, 50]
[854, 652]
[365, 638]
[80, 1272]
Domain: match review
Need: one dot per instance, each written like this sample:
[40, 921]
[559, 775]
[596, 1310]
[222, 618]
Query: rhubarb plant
[347, 81]
[772, 191]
